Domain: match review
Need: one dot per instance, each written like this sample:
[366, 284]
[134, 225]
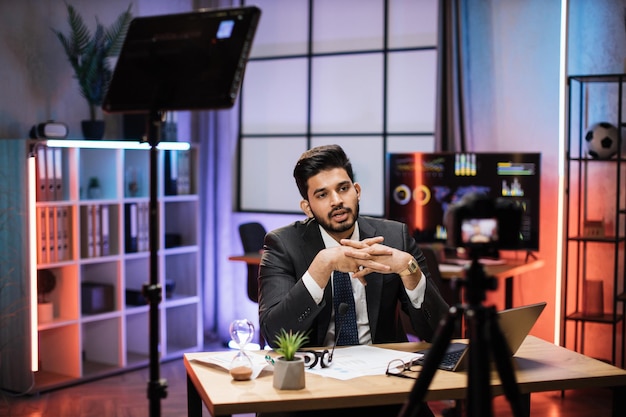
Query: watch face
[413, 267]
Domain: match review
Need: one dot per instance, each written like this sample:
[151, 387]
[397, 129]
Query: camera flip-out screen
[479, 230]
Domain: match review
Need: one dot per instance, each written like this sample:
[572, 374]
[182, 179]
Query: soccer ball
[601, 141]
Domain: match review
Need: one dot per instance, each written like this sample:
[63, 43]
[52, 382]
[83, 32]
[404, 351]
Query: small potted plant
[93, 188]
[289, 368]
[89, 56]
[46, 282]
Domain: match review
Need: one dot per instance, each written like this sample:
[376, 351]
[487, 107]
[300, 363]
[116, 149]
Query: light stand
[186, 61]
[157, 387]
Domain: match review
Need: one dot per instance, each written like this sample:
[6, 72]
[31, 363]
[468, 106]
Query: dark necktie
[345, 324]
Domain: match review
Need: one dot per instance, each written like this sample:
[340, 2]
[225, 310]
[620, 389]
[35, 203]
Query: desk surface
[541, 366]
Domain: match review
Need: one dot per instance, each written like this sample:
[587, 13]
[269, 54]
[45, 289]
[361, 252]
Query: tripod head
[476, 281]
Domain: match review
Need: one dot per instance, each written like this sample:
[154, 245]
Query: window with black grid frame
[359, 73]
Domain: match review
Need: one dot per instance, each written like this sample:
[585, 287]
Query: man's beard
[330, 227]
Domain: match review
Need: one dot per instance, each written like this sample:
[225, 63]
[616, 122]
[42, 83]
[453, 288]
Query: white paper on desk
[355, 361]
[223, 360]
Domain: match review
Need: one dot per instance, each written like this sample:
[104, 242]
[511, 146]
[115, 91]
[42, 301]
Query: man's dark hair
[315, 160]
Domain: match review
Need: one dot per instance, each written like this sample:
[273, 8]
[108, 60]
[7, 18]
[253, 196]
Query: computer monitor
[184, 61]
[421, 186]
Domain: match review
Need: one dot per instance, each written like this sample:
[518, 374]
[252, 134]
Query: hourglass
[241, 332]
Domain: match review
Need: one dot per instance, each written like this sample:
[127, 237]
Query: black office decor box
[135, 298]
[97, 298]
[173, 240]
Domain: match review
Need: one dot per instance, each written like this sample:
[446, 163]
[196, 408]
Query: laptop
[183, 61]
[515, 324]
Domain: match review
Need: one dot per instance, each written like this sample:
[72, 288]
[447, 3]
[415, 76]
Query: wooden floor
[125, 395]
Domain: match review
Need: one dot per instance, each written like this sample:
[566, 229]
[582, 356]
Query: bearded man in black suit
[386, 267]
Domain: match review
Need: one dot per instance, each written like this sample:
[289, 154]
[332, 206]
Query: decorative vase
[593, 298]
[289, 375]
[45, 312]
[94, 193]
[92, 129]
[93, 189]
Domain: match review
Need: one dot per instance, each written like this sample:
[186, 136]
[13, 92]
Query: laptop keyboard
[450, 358]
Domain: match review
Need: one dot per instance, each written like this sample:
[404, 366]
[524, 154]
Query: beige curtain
[450, 123]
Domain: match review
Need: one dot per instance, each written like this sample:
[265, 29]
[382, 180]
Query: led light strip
[32, 249]
[113, 144]
[563, 130]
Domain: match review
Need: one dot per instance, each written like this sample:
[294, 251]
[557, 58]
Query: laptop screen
[514, 323]
[182, 61]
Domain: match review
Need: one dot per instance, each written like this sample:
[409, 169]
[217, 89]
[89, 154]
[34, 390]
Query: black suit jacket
[284, 301]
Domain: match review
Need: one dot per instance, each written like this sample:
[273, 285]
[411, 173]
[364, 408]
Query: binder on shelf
[143, 243]
[95, 218]
[42, 175]
[51, 234]
[42, 229]
[58, 233]
[58, 174]
[183, 183]
[64, 235]
[50, 174]
[89, 231]
[130, 227]
[170, 176]
[140, 227]
[104, 230]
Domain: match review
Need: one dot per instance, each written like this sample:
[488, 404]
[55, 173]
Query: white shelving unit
[98, 325]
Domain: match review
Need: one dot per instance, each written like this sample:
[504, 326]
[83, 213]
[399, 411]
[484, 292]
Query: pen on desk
[269, 359]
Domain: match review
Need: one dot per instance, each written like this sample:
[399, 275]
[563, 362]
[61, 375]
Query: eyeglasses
[313, 357]
[398, 367]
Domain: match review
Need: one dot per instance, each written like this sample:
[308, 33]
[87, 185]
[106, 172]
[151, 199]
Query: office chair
[252, 235]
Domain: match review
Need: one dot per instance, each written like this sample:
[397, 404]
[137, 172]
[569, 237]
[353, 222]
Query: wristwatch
[411, 268]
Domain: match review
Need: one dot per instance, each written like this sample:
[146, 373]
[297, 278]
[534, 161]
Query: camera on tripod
[482, 225]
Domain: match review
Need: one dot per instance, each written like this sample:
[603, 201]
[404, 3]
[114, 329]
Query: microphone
[312, 357]
[342, 309]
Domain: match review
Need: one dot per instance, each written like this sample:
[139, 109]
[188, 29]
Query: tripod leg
[478, 377]
[415, 402]
[503, 358]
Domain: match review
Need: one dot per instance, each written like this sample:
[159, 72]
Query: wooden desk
[506, 271]
[541, 366]
[253, 258]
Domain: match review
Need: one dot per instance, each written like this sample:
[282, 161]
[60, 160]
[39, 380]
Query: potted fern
[289, 368]
[89, 56]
